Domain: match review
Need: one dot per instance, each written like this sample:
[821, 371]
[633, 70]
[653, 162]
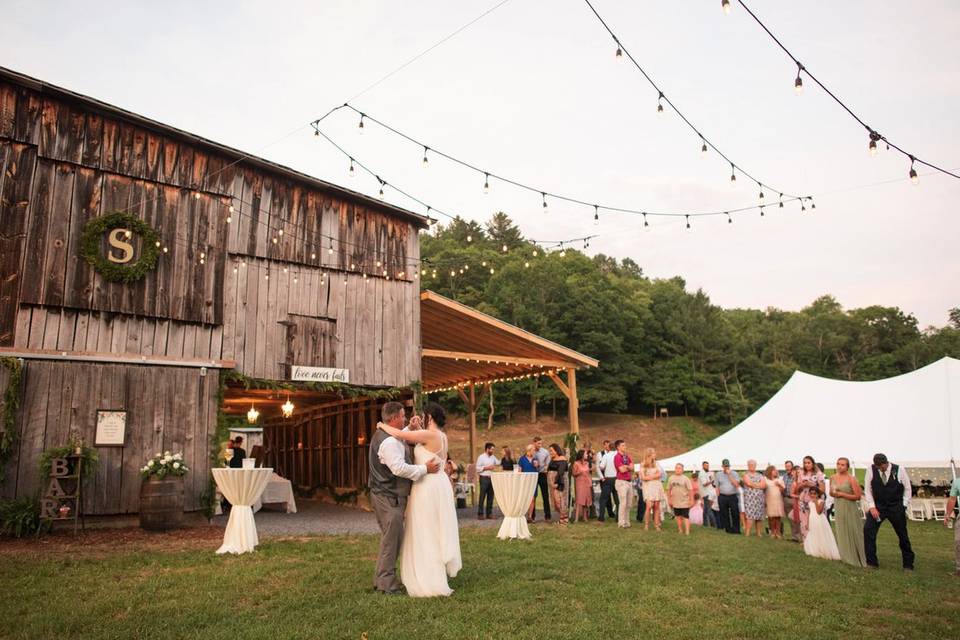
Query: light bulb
[526, 265]
[725, 4]
[469, 238]
[729, 219]
[761, 195]
[619, 54]
[733, 176]
[545, 209]
[781, 201]
[873, 147]
[798, 84]
[596, 215]
[380, 195]
[688, 223]
[491, 270]
[703, 149]
[426, 162]
[563, 253]
[352, 172]
[504, 248]
[360, 126]
[486, 183]
[914, 178]
[660, 107]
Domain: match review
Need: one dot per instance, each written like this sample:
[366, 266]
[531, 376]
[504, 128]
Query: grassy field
[572, 583]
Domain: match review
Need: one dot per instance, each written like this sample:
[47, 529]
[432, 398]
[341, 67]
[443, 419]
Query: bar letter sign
[319, 374]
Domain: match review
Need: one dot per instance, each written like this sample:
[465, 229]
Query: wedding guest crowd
[800, 496]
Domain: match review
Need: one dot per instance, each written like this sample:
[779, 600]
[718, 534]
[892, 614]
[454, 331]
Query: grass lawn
[582, 580]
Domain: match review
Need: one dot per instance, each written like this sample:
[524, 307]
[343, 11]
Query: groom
[391, 476]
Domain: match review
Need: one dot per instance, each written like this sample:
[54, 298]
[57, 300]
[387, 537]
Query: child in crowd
[819, 542]
[680, 498]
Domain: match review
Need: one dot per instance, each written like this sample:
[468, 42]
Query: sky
[533, 91]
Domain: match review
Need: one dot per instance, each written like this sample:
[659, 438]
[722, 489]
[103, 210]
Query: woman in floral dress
[754, 498]
[810, 476]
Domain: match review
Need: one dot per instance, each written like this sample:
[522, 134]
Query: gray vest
[381, 480]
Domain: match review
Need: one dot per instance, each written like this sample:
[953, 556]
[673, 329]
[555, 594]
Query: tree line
[660, 345]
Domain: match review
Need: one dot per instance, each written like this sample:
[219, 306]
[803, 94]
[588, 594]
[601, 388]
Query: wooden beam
[564, 389]
[118, 358]
[574, 402]
[486, 358]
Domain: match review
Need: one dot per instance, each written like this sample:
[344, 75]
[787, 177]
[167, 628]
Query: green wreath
[91, 242]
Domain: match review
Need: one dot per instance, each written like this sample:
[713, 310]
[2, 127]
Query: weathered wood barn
[138, 261]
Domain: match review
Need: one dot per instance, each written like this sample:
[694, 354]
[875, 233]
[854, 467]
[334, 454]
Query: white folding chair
[939, 508]
[916, 511]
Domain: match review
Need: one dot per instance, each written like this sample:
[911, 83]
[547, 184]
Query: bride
[431, 543]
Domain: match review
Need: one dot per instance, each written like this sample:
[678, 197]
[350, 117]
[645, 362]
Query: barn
[155, 285]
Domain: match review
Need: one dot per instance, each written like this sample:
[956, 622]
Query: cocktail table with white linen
[242, 487]
[513, 493]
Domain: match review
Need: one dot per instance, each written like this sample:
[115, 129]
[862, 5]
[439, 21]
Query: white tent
[913, 418]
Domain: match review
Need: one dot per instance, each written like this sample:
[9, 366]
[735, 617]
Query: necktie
[885, 475]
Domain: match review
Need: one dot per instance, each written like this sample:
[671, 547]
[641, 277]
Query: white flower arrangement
[164, 464]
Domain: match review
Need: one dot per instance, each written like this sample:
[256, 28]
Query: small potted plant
[161, 493]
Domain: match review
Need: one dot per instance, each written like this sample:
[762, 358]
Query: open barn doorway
[323, 441]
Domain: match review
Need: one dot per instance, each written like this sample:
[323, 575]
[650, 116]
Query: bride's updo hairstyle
[437, 413]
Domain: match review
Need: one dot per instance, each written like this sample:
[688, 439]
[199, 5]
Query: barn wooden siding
[61, 164]
[326, 446]
[169, 408]
[64, 160]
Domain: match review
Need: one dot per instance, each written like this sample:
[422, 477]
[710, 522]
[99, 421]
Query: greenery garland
[338, 388]
[91, 247]
[11, 403]
[89, 455]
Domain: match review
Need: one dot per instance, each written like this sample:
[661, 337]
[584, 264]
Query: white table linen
[513, 493]
[242, 487]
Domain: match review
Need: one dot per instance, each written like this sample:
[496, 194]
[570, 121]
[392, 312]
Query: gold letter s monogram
[117, 240]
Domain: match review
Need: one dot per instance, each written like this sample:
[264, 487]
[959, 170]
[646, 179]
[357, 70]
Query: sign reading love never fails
[300, 373]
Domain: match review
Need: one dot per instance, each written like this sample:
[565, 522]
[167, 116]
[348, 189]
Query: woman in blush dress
[775, 509]
[583, 484]
[652, 489]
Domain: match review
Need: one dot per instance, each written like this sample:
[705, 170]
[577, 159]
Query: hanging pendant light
[287, 408]
[252, 415]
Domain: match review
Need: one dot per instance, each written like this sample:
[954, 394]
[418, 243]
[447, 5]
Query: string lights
[874, 136]
[545, 195]
[662, 99]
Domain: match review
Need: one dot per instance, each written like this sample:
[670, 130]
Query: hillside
[668, 436]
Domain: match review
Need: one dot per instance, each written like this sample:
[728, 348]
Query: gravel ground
[316, 518]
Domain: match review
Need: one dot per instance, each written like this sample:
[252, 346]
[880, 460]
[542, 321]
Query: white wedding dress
[820, 542]
[431, 539]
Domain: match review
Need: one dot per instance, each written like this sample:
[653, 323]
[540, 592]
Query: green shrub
[21, 518]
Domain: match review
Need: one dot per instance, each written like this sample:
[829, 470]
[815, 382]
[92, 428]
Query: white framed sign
[300, 373]
[111, 428]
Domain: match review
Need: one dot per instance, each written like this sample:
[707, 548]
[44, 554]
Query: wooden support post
[574, 402]
[473, 422]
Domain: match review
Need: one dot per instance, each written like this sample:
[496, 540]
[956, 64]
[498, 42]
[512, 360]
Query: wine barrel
[161, 503]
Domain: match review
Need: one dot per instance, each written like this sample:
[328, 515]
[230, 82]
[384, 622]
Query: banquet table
[513, 493]
[243, 488]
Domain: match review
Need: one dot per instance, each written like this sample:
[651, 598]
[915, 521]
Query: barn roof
[232, 154]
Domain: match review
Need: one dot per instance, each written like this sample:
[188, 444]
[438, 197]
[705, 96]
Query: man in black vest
[391, 476]
[887, 493]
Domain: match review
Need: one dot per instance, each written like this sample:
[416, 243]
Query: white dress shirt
[607, 468]
[707, 488]
[485, 461]
[392, 453]
[901, 476]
